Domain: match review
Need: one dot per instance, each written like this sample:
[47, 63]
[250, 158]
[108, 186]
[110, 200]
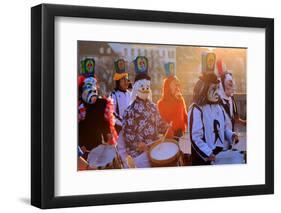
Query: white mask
[90, 90]
[142, 89]
[213, 95]
[228, 85]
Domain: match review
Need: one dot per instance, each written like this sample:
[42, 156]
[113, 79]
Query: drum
[104, 156]
[230, 157]
[185, 148]
[166, 153]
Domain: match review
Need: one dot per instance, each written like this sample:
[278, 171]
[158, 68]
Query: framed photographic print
[140, 106]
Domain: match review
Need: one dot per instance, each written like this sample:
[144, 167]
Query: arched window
[101, 50]
[133, 52]
[108, 51]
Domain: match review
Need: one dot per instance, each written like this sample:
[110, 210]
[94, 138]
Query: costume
[207, 120]
[141, 120]
[121, 96]
[228, 103]
[98, 125]
[81, 106]
[170, 101]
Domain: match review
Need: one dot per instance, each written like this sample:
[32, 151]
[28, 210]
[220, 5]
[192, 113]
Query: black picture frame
[43, 105]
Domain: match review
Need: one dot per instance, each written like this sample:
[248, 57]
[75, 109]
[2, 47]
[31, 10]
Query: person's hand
[235, 138]
[178, 94]
[84, 149]
[142, 147]
[93, 99]
[81, 116]
[212, 157]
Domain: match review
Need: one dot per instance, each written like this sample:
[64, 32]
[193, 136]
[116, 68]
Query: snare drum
[166, 153]
[104, 156]
[230, 157]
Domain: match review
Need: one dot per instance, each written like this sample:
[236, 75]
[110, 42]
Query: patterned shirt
[141, 123]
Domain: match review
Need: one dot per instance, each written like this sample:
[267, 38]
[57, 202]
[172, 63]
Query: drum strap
[195, 147]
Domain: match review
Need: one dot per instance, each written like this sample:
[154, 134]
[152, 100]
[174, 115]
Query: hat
[208, 61]
[169, 69]
[210, 78]
[120, 69]
[88, 67]
[141, 68]
[141, 65]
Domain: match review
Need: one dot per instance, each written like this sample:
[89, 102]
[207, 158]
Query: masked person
[81, 106]
[98, 125]
[171, 106]
[141, 120]
[228, 102]
[121, 95]
[207, 122]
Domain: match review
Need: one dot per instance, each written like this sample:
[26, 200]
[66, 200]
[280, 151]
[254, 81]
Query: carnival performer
[142, 123]
[98, 124]
[81, 106]
[121, 95]
[207, 120]
[171, 106]
[227, 101]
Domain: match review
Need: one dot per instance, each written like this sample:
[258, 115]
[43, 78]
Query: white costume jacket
[121, 101]
[208, 129]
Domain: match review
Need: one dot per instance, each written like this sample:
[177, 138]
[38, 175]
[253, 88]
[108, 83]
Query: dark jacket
[94, 126]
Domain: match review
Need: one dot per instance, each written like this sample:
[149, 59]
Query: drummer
[121, 95]
[172, 99]
[228, 102]
[98, 124]
[206, 121]
[141, 121]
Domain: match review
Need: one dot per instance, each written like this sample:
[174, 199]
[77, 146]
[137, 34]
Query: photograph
[139, 105]
[145, 105]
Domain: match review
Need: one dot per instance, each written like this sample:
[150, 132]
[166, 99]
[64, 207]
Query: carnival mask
[143, 89]
[90, 90]
[175, 88]
[213, 95]
[228, 85]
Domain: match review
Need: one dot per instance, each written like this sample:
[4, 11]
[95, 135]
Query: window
[101, 50]
[108, 51]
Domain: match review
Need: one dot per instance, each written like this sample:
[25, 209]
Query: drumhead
[164, 150]
[229, 157]
[101, 156]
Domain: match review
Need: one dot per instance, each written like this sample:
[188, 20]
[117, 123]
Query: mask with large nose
[228, 85]
[90, 90]
[213, 95]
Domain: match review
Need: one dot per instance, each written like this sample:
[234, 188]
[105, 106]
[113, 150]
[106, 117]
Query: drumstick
[163, 138]
[130, 162]
[118, 157]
